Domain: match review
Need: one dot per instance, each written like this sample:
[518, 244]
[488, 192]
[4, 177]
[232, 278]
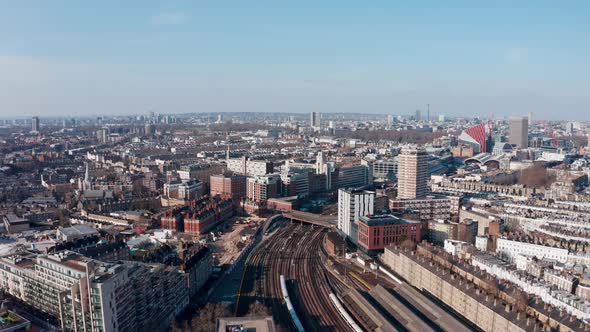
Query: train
[353, 325]
[290, 308]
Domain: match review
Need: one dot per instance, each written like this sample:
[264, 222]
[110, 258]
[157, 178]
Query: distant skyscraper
[530, 118]
[352, 204]
[99, 121]
[418, 115]
[35, 124]
[316, 118]
[390, 120]
[442, 118]
[412, 173]
[519, 132]
[103, 135]
[569, 128]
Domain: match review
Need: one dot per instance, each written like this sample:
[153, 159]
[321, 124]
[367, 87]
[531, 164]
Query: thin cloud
[170, 18]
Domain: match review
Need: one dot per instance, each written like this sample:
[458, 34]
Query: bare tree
[258, 309]
[207, 316]
[536, 176]
[521, 300]
[492, 286]
[408, 244]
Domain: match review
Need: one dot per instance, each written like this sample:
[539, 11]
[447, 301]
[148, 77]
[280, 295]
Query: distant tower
[320, 162]
[316, 118]
[390, 120]
[530, 118]
[35, 124]
[428, 112]
[519, 132]
[86, 183]
[418, 115]
[227, 153]
[322, 166]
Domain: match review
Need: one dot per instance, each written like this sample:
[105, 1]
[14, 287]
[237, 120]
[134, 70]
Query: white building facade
[352, 204]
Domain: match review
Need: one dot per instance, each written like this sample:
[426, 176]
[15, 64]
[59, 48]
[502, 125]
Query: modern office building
[261, 188]
[385, 169]
[35, 124]
[352, 204]
[353, 176]
[316, 120]
[412, 173]
[519, 132]
[296, 184]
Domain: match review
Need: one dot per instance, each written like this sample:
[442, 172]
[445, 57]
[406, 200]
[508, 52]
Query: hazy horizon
[463, 58]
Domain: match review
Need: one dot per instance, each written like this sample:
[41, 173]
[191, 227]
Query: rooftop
[258, 324]
[385, 219]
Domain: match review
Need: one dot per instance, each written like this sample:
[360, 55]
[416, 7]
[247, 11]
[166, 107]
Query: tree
[408, 244]
[208, 315]
[536, 176]
[521, 300]
[492, 286]
[258, 309]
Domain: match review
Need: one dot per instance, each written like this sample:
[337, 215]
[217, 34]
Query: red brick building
[286, 204]
[377, 232]
[205, 215]
[173, 221]
[228, 184]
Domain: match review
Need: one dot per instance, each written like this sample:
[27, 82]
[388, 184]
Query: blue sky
[461, 57]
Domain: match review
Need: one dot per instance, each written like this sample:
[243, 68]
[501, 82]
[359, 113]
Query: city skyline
[461, 58]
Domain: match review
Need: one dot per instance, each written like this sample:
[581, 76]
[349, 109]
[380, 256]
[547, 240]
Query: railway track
[296, 252]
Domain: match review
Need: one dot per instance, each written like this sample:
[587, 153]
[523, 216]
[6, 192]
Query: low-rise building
[376, 232]
[76, 232]
[509, 249]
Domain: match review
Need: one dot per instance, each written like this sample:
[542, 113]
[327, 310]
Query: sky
[464, 58]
